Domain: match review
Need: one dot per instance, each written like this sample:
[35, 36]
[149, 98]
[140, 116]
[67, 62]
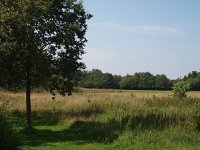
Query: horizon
[143, 36]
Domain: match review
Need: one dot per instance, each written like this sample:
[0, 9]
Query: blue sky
[159, 36]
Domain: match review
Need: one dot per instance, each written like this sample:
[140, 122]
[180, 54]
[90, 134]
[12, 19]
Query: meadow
[109, 119]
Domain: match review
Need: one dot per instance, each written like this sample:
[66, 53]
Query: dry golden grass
[84, 99]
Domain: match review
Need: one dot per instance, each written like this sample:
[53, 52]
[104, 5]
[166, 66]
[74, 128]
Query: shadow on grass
[80, 132]
[83, 132]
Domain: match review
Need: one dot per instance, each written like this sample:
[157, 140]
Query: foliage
[180, 89]
[129, 82]
[162, 82]
[44, 38]
[193, 79]
[10, 139]
[139, 81]
[146, 81]
[97, 79]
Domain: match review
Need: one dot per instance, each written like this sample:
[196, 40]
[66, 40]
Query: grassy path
[56, 137]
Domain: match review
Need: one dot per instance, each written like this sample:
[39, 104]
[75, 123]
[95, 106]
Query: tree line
[138, 81]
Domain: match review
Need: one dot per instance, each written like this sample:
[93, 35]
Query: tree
[129, 82]
[146, 81]
[116, 81]
[97, 79]
[193, 79]
[41, 42]
[162, 82]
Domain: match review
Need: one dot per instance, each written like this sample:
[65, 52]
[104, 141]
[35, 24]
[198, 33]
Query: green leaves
[60, 84]
[42, 39]
[180, 89]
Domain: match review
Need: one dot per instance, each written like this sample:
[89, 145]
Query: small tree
[180, 89]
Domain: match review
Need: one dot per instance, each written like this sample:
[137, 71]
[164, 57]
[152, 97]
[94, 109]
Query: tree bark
[28, 103]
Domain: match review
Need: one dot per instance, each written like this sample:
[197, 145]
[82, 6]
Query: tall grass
[119, 117]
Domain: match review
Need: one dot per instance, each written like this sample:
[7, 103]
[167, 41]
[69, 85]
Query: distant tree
[97, 79]
[146, 81]
[78, 77]
[91, 79]
[194, 79]
[129, 82]
[193, 74]
[107, 81]
[41, 42]
[194, 82]
[116, 81]
[162, 82]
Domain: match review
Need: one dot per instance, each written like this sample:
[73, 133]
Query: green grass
[171, 138]
[58, 137]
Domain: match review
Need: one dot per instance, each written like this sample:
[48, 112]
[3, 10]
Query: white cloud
[145, 29]
[119, 27]
[159, 29]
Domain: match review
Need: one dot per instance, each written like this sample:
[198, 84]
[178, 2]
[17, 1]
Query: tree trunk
[28, 103]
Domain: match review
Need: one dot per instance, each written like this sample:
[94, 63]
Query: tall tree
[41, 42]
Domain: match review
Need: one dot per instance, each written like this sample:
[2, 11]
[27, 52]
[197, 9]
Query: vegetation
[139, 81]
[180, 89]
[10, 138]
[46, 40]
[193, 78]
[111, 119]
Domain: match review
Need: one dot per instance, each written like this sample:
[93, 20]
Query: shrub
[9, 135]
[180, 89]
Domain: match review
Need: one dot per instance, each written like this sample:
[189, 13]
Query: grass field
[110, 119]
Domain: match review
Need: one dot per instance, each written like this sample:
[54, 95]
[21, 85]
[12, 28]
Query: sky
[156, 36]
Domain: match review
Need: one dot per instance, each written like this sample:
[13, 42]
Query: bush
[10, 138]
[180, 89]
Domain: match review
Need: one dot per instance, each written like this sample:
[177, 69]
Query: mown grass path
[61, 137]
